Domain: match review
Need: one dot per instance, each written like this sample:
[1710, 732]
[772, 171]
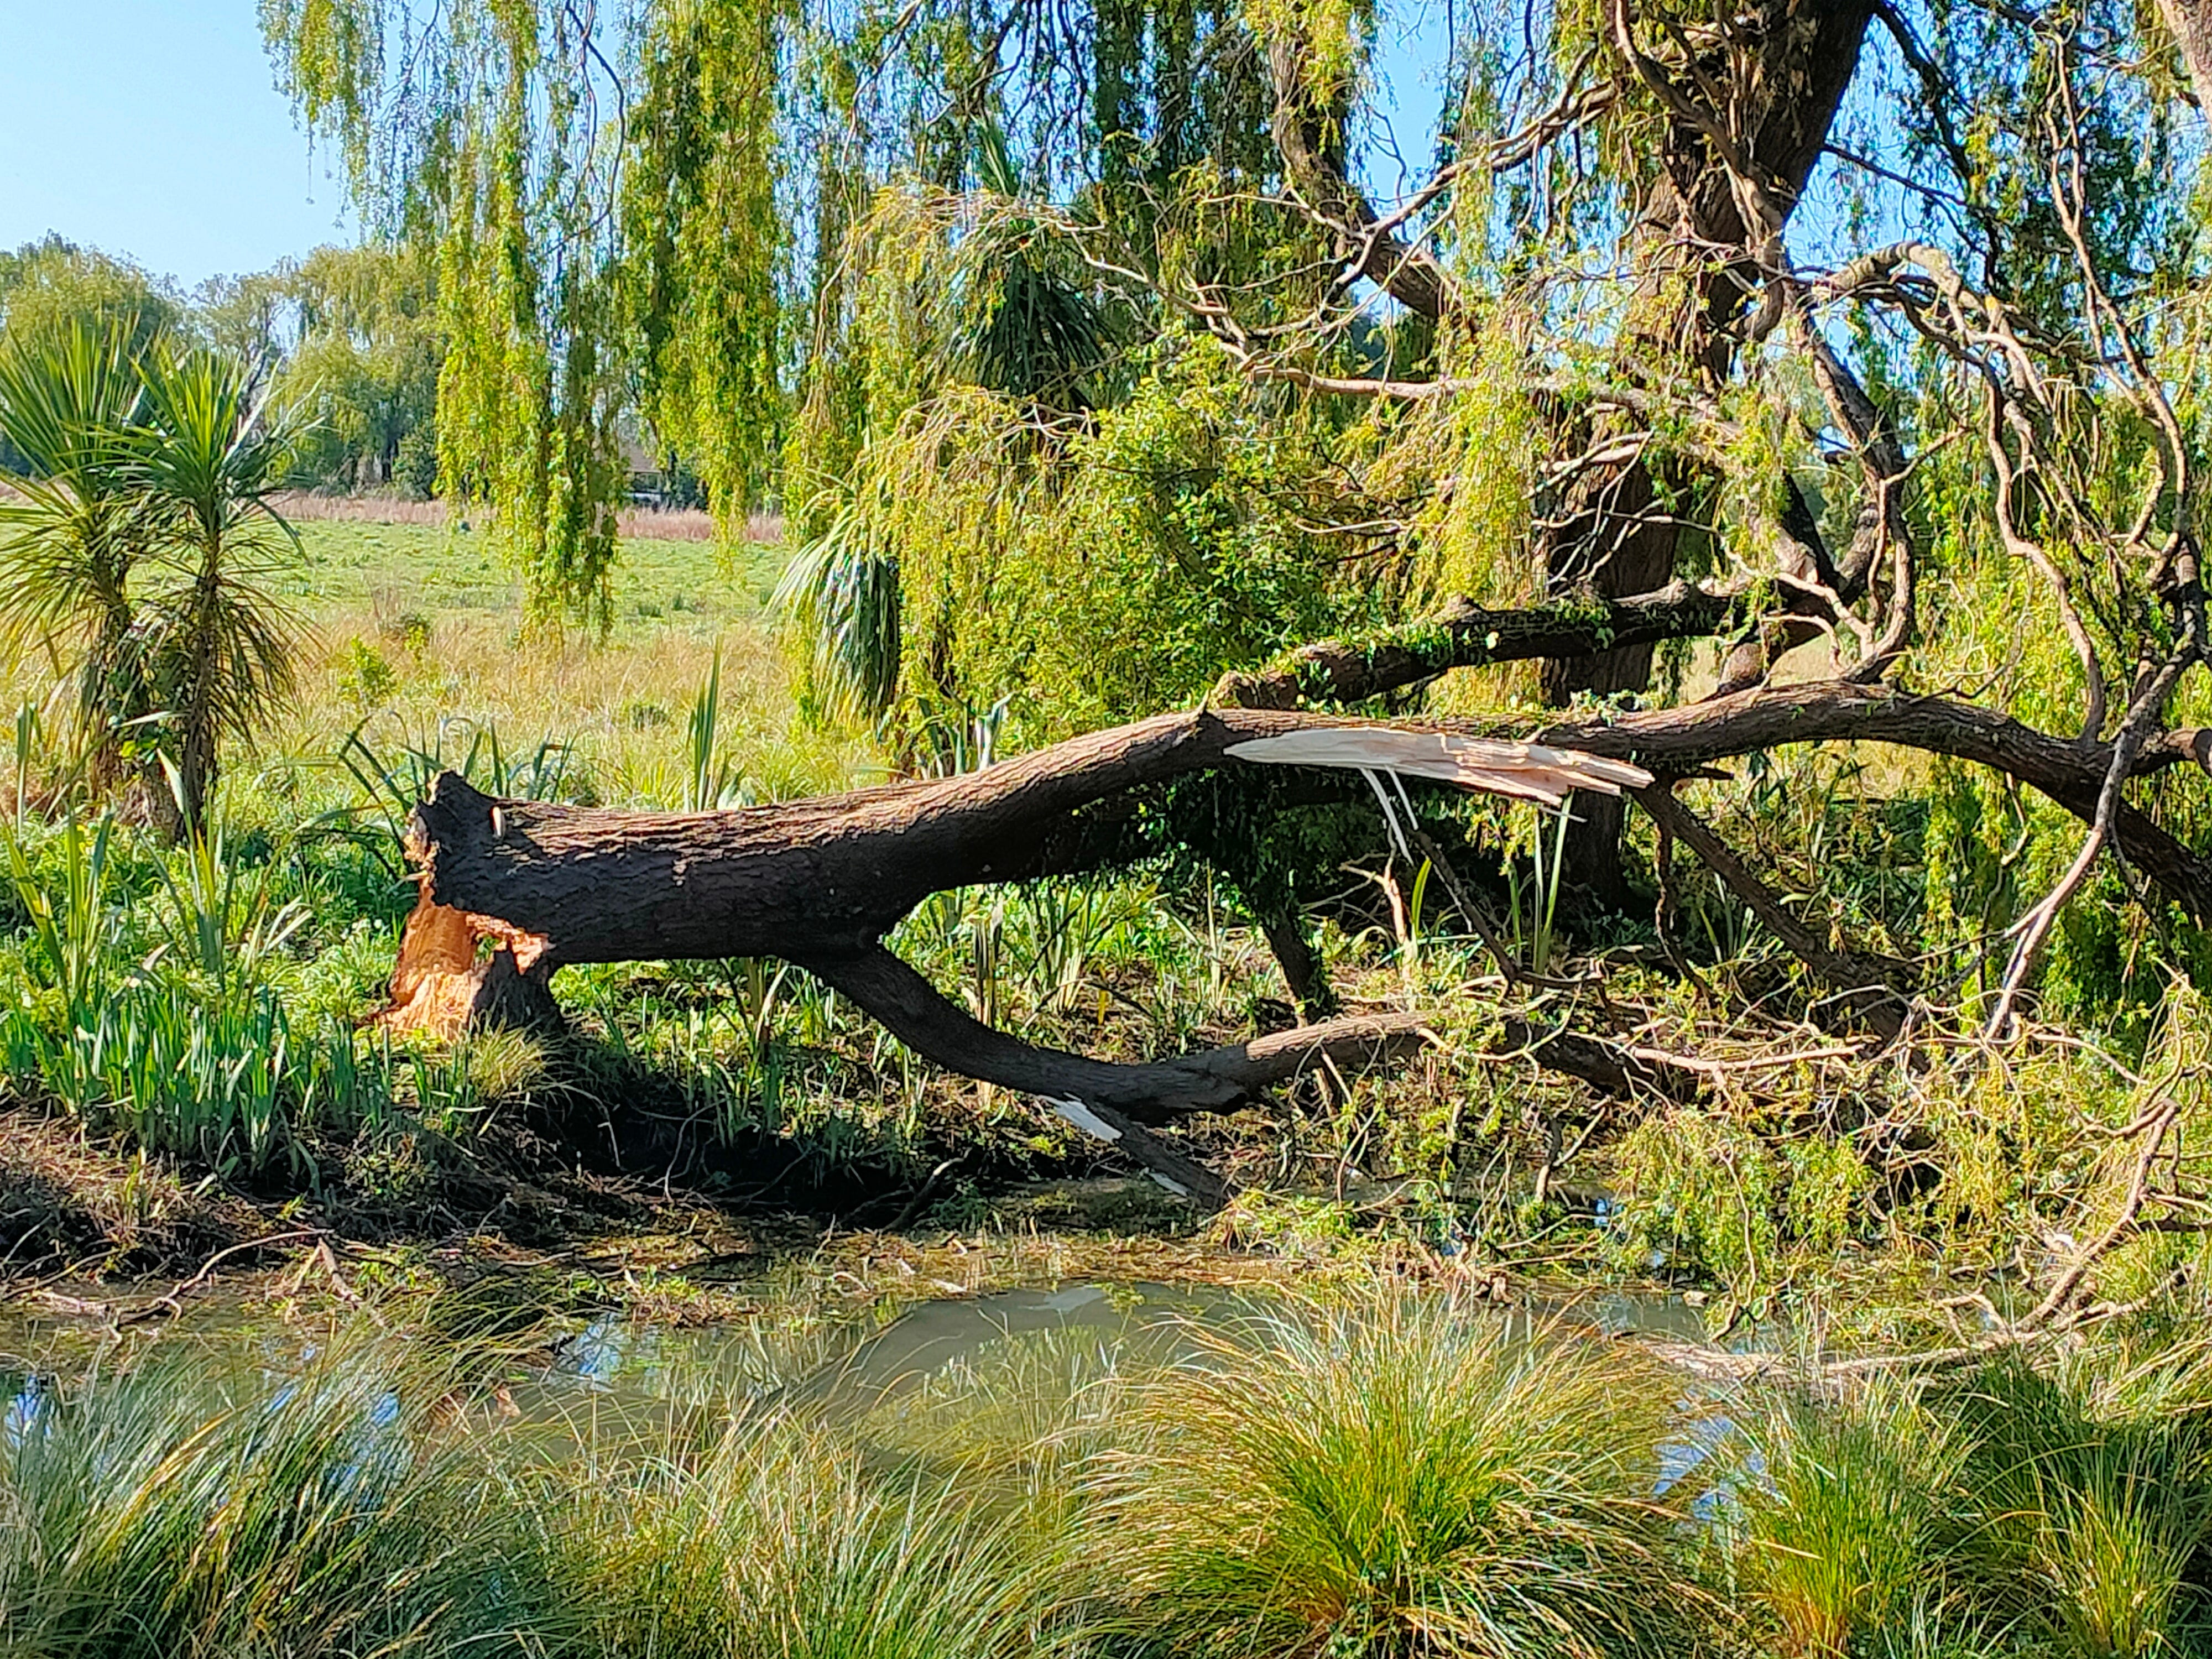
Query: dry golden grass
[416, 634]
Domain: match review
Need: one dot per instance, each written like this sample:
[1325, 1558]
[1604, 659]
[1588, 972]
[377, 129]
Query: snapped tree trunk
[512, 890]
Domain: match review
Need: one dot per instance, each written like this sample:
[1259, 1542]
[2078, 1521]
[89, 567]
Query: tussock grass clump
[2092, 1515]
[1406, 1473]
[775, 1544]
[166, 1512]
[2063, 1509]
[1840, 1522]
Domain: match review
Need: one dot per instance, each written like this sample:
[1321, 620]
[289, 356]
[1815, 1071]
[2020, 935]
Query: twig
[2123, 1225]
[172, 1304]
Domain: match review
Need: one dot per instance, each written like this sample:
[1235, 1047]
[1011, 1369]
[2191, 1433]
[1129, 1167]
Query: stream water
[941, 1381]
[1140, 1324]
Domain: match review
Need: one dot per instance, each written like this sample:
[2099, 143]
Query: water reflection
[933, 1360]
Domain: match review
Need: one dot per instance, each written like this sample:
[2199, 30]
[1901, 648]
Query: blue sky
[153, 129]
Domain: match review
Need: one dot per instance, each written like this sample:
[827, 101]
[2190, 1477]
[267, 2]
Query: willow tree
[1082, 342]
[491, 134]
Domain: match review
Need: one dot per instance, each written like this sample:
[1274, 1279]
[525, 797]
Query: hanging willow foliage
[705, 236]
[582, 244]
[641, 211]
[491, 130]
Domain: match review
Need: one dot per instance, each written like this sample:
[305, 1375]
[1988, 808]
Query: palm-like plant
[1022, 325]
[220, 644]
[841, 590]
[73, 522]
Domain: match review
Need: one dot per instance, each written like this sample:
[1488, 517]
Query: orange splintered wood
[456, 969]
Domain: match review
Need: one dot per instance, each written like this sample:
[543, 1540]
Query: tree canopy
[1097, 349]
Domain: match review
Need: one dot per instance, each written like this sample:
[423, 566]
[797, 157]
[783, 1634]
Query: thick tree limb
[1309, 135]
[1865, 985]
[1159, 1092]
[1465, 635]
[829, 876]
[1675, 740]
[512, 890]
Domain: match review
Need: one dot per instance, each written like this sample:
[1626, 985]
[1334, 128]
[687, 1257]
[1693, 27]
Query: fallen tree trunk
[512, 890]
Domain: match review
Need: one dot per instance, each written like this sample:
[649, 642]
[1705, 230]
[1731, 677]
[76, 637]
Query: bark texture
[512, 890]
[1773, 79]
[2191, 23]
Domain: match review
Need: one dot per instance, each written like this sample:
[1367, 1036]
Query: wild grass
[1386, 1472]
[167, 1511]
[2090, 1526]
[775, 1544]
[2057, 1509]
[1839, 1511]
[1401, 1475]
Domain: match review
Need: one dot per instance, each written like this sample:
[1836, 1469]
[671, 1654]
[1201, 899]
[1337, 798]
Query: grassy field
[414, 625]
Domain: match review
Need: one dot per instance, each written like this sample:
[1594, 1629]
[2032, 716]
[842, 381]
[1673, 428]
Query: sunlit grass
[180, 1510]
[775, 1543]
[1839, 1516]
[1405, 1473]
[2091, 1518]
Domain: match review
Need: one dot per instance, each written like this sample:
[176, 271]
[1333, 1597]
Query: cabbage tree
[73, 522]
[220, 644]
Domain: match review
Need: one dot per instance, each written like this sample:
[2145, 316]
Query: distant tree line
[347, 338]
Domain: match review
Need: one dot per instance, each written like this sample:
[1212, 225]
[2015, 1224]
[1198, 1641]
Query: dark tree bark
[1781, 70]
